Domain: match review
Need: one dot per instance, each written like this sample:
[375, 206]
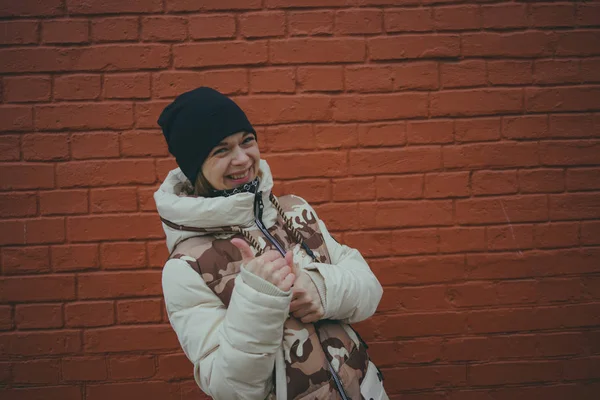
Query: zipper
[258, 213]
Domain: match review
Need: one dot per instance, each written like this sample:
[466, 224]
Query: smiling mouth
[237, 177]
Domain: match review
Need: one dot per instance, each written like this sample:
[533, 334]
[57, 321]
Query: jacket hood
[210, 215]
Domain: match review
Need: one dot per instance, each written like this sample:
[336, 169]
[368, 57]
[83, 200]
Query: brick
[398, 214]
[146, 199]
[36, 372]
[379, 106]
[113, 200]
[569, 152]
[421, 324]
[555, 235]
[335, 136]
[562, 99]
[477, 130]
[586, 14]
[369, 79]
[313, 50]
[262, 24]
[110, 285]
[12, 232]
[574, 206]
[139, 311]
[403, 160]
[419, 269]
[413, 47]
[195, 55]
[127, 86]
[45, 230]
[65, 31]
[25, 260]
[561, 290]
[382, 134]
[508, 72]
[130, 338]
[158, 254]
[494, 182]
[416, 75]
[530, 208]
[312, 190]
[47, 392]
[525, 127]
[556, 71]
[86, 368]
[167, 29]
[304, 3]
[10, 148]
[430, 132]
[578, 43]
[105, 173]
[131, 367]
[399, 187]
[491, 155]
[35, 316]
[385, 354]
[530, 264]
[457, 240]
[489, 348]
[290, 137]
[164, 165]
[18, 204]
[273, 80]
[109, 57]
[504, 16]
[101, 227]
[583, 179]
[74, 257]
[310, 23]
[469, 73]
[408, 20]
[16, 118]
[324, 79]
[308, 165]
[476, 102]
[45, 147]
[354, 189]
[336, 215]
[115, 29]
[149, 390]
[515, 372]
[571, 126]
[6, 323]
[77, 87]
[32, 8]
[511, 237]
[172, 83]
[190, 5]
[84, 116]
[461, 17]
[541, 181]
[425, 377]
[446, 184]
[174, 366]
[94, 145]
[19, 32]
[123, 255]
[112, 6]
[212, 26]
[362, 21]
[40, 343]
[34, 88]
[89, 314]
[267, 110]
[514, 45]
[38, 288]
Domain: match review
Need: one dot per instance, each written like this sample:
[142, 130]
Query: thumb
[244, 248]
[289, 259]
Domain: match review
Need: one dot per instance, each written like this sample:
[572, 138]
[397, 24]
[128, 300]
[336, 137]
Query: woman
[259, 294]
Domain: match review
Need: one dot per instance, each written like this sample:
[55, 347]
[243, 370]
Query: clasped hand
[280, 271]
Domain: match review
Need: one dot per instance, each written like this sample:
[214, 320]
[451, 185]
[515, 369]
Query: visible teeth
[239, 176]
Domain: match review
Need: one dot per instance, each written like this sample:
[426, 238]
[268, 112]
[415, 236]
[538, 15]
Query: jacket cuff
[319, 282]
[260, 285]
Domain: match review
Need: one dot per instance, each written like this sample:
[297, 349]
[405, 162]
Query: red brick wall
[456, 144]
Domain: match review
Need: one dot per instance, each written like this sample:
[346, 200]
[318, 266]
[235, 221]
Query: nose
[240, 157]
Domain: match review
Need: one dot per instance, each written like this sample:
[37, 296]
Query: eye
[220, 150]
[249, 139]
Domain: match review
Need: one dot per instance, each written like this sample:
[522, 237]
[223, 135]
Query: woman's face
[232, 162]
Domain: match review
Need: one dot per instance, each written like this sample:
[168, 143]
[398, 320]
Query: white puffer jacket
[234, 350]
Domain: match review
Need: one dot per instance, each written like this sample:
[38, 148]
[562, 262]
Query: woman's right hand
[270, 266]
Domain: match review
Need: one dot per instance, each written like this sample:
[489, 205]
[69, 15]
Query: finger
[312, 317]
[287, 282]
[276, 265]
[278, 275]
[298, 304]
[244, 248]
[304, 311]
[269, 256]
[289, 257]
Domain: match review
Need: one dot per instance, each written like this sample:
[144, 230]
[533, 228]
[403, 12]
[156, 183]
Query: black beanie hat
[195, 122]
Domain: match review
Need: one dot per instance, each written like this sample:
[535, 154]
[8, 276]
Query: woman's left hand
[306, 304]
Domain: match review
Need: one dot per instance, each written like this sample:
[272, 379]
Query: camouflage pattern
[307, 347]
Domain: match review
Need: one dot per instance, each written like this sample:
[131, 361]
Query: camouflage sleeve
[233, 349]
